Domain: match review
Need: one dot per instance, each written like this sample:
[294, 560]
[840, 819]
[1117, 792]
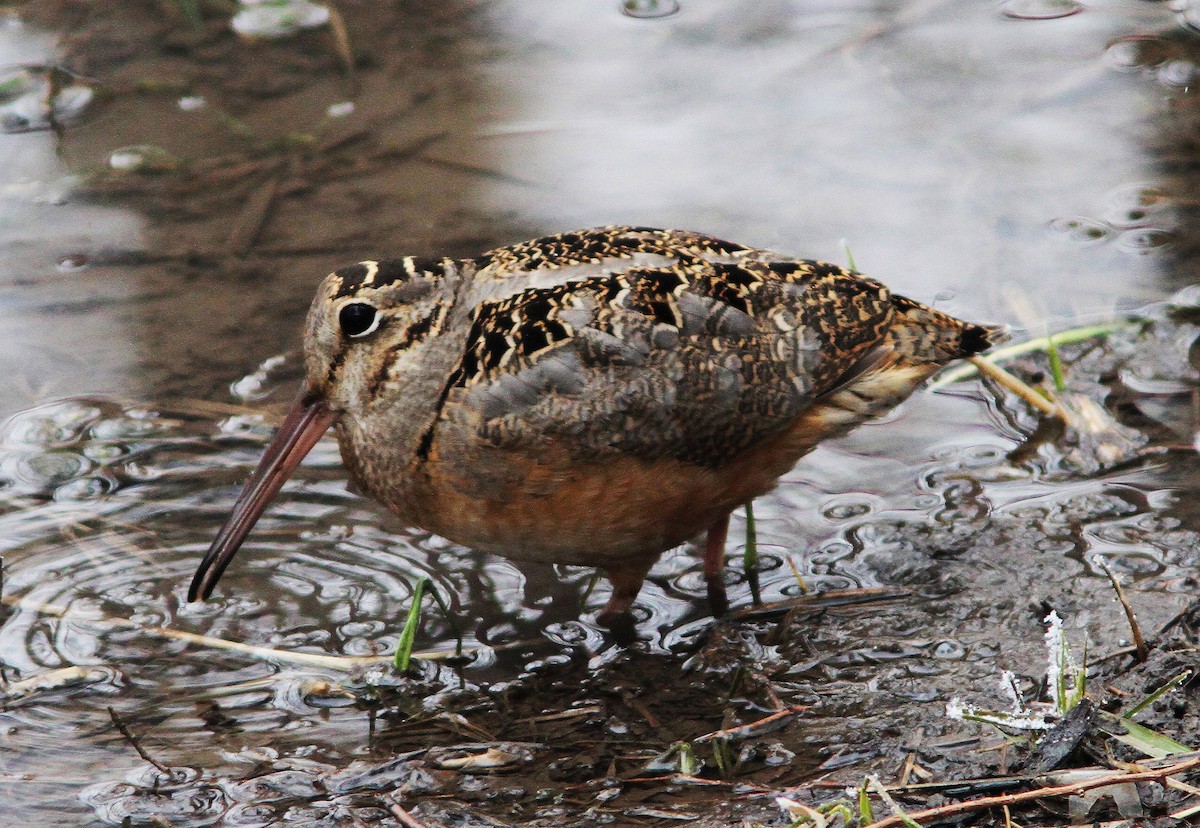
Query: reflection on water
[991, 158]
[939, 162]
[49, 316]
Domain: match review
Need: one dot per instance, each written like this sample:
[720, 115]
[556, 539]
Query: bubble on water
[1040, 9]
[72, 263]
[1190, 17]
[49, 426]
[143, 803]
[142, 158]
[340, 110]
[575, 634]
[1081, 229]
[127, 427]
[192, 103]
[649, 9]
[1135, 52]
[1134, 204]
[87, 488]
[52, 468]
[843, 510]
[1144, 239]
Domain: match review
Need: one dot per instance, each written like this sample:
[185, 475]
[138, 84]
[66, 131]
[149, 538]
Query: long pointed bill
[308, 419]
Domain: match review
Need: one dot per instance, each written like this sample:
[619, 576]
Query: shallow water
[1007, 162]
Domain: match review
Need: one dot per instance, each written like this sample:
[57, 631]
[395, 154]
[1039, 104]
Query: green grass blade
[687, 759]
[1150, 742]
[750, 555]
[849, 256]
[865, 814]
[404, 647]
[1056, 366]
[1157, 694]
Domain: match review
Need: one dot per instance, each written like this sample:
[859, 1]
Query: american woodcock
[594, 397]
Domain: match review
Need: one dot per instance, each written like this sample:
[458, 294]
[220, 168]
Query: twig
[1139, 643]
[1015, 385]
[405, 818]
[472, 169]
[753, 729]
[830, 598]
[983, 803]
[129, 737]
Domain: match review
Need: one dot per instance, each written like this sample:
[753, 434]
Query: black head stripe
[351, 278]
[387, 272]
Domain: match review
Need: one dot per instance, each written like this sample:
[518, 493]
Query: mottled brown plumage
[594, 397]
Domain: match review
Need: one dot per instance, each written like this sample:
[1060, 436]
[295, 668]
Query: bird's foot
[622, 626]
[718, 600]
[617, 615]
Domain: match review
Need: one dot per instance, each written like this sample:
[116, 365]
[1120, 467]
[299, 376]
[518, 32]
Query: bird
[592, 398]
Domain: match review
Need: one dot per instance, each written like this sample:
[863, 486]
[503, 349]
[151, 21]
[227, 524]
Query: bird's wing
[695, 355]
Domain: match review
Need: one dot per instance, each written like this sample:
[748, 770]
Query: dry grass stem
[1141, 651]
[1012, 383]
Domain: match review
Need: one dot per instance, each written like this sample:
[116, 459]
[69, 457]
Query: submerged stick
[344, 664]
[120, 725]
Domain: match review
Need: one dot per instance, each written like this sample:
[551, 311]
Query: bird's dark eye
[358, 319]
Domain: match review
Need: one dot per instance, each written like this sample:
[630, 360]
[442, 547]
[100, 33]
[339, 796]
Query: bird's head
[365, 332]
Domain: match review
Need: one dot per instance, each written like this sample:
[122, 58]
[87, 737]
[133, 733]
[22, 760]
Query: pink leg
[626, 584]
[714, 567]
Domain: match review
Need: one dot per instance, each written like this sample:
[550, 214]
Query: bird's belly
[556, 510]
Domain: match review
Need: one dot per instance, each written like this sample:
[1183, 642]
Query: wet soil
[1034, 171]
